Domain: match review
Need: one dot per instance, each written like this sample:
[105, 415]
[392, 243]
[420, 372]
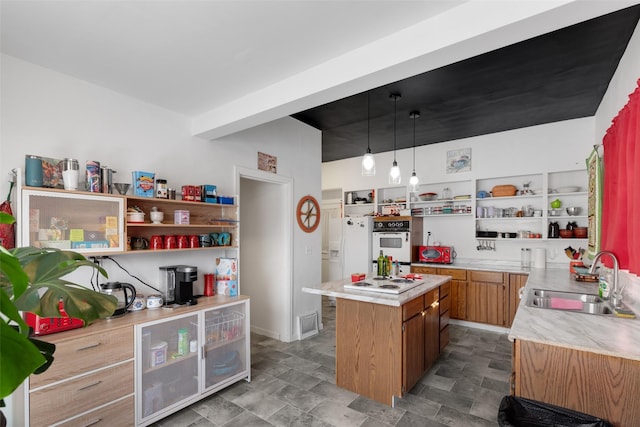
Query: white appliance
[356, 244]
[394, 285]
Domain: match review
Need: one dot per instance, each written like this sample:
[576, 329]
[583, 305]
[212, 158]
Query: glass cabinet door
[226, 345]
[168, 363]
[84, 223]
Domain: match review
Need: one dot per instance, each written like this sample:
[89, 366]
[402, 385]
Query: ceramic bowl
[156, 217]
[565, 234]
[135, 217]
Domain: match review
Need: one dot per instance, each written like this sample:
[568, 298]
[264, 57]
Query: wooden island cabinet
[382, 351]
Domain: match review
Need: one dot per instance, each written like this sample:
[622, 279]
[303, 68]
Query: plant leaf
[12, 278]
[11, 312]
[18, 359]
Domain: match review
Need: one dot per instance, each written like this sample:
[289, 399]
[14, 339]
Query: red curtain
[621, 189]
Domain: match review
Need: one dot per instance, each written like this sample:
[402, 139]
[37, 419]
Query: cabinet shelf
[171, 361]
[168, 225]
[520, 197]
[220, 344]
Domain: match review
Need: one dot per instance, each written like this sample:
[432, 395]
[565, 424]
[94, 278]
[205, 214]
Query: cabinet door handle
[89, 385]
[93, 422]
[89, 347]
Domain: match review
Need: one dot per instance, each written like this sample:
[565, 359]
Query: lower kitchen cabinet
[516, 282]
[603, 386]
[90, 379]
[445, 314]
[181, 359]
[143, 366]
[487, 297]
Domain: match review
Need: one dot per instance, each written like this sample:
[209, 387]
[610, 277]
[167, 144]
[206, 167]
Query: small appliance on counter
[436, 254]
[50, 325]
[125, 293]
[176, 284]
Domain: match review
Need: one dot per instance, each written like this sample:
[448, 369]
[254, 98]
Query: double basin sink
[570, 301]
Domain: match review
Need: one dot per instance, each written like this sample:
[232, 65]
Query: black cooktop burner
[401, 280]
[389, 286]
[379, 278]
[361, 284]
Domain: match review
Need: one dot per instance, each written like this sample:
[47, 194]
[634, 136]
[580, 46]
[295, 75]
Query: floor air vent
[308, 325]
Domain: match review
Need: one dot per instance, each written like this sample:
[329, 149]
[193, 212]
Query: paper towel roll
[539, 258]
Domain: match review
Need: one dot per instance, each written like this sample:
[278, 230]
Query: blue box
[225, 200]
[96, 244]
[143, 183]
[209, 191]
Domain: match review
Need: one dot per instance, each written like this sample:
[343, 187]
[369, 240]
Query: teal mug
[224, 239]
[214, 238]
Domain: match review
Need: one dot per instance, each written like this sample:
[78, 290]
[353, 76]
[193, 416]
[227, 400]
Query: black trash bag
[520, 412]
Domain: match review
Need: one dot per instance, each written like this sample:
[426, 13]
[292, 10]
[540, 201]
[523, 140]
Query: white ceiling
[233, 64]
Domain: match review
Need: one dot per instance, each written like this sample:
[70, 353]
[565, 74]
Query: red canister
[209, 280]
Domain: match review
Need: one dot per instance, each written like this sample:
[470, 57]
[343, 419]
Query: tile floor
[293, 384]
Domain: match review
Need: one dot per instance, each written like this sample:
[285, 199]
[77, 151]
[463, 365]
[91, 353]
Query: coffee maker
[176, 284]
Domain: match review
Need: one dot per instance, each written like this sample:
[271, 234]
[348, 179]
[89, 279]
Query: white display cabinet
[166, 375]
[83, 222]
[181, 359]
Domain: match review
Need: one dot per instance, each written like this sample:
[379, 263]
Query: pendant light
[413, 181]
[368, 162]
[394, 172]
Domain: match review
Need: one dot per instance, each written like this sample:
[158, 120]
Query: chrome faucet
[616, 296]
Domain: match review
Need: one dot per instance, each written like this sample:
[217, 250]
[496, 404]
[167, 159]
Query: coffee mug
[183, 242]
[224, 239]
[139, 303]
[170, 242]
[154, 301]
[139, 243]
[205, 240]
[156, 242]
[194, 241]
[214, 238]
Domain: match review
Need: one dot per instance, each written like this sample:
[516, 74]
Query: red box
[356, 277]
[189, 193]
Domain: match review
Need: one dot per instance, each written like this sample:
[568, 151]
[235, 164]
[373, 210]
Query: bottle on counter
[388, 265]
[381, 263]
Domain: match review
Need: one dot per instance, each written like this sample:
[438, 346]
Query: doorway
[265, 268]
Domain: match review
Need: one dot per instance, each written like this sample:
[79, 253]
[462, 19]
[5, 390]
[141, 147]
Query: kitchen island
[385, 342]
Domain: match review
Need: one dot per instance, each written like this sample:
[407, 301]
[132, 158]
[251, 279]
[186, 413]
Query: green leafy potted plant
[31, 279]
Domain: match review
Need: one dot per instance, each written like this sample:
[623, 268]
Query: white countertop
[612, 336]
[609, 335]
[336, 289]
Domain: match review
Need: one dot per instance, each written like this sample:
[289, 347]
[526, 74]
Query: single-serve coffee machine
[176, 284]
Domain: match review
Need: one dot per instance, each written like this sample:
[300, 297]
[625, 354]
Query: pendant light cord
[395, 116]
[414, 143]
[368, 122]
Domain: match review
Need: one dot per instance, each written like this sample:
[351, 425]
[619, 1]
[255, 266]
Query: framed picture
[459, 160]
[267, 162]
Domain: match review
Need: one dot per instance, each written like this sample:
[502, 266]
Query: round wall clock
[308, 214]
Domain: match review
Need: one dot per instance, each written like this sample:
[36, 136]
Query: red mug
[183, 242]
[170, 242]
[156, 242]
[194, 241]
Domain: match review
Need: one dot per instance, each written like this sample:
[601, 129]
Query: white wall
[538, 149]
[54, 115]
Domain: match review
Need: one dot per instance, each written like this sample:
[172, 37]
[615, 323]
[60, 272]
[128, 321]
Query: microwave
[436, 254]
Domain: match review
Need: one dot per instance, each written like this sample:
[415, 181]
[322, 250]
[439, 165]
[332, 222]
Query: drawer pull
[89, 385]
[93, 422]
[89, 347]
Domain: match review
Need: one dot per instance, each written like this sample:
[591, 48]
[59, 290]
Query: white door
[331, 221]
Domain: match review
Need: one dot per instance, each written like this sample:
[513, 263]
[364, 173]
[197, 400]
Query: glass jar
[525, 258]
